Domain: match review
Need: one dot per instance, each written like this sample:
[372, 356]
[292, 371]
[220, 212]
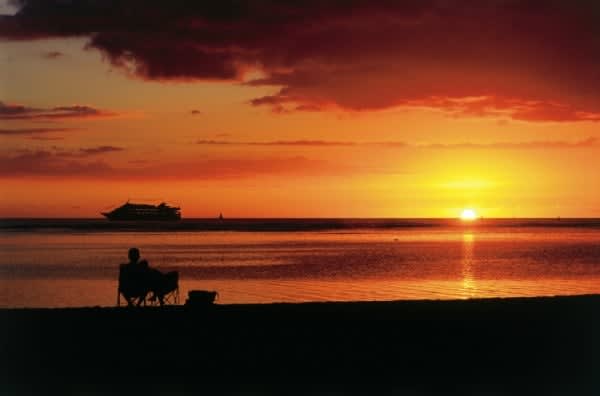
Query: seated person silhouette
[134, 280]
[134, 260]
[137, 279]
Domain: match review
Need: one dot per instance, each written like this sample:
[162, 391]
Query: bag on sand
[201, 298]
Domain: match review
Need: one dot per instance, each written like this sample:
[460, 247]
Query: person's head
[134, 255]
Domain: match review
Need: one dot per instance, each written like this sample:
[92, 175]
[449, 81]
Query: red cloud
[357, 55]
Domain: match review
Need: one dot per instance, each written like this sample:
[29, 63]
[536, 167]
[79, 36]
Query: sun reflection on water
[469, 287]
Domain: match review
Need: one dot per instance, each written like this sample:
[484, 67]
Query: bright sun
[468, 215]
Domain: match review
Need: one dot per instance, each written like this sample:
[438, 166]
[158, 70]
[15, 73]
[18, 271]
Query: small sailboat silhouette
[220, 216]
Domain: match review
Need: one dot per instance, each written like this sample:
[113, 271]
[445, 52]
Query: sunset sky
[301, 109]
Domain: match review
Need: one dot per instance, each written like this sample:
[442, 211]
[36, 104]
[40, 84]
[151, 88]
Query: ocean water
[60, 263]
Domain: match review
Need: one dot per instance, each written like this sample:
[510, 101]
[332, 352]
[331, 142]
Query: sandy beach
[490, 346]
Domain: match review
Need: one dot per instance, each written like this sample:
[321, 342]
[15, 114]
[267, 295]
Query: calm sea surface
[58, 263]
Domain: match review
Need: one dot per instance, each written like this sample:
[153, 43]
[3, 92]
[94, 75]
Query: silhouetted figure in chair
[134, 278]
[137, 279]
[134, 256]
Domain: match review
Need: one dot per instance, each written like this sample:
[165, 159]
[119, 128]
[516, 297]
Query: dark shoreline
[285, 224]
[546, 345]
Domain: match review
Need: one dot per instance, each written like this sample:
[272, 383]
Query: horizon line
[307, 218]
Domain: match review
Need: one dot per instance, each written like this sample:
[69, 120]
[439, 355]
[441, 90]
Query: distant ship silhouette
[220, 216]
[133, 211]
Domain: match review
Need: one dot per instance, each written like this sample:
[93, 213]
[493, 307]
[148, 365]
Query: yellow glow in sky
[468, 215]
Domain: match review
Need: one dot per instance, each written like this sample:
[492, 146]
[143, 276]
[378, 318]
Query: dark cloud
[354, 55]
[20, 112]
[234, 168]
[518, 109]
[75, 164]
[390, 144]
[90, 163]
[536, 144]
[217, 142]
[10, 110]
[75, 112]
[30, 131]
[52, 54]
[46, 138]
[84, 152]
[100, 150]
[56, 161]
[195, 112]
[49, 163]
[311, 143]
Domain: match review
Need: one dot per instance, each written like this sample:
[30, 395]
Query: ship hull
[137, 217]
[144, 212]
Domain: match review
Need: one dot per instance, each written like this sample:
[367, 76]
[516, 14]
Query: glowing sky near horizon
[335, 109]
